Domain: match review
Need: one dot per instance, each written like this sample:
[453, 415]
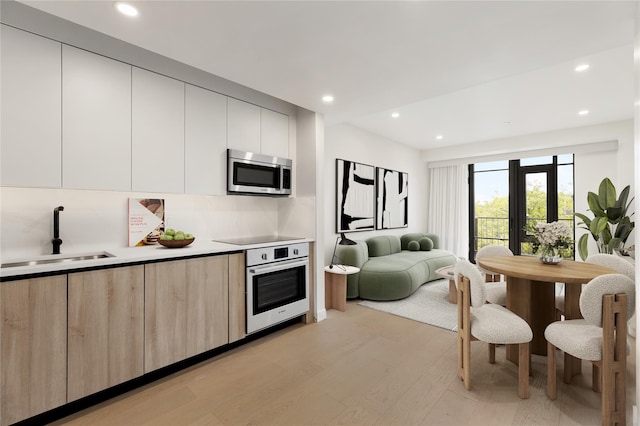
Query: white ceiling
[470, 71]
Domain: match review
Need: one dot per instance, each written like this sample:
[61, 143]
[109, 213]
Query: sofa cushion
[416, 236]
[383, 245]
[426, 244]
[413, 246]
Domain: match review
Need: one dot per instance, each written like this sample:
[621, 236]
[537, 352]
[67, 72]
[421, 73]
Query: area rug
[429, 304]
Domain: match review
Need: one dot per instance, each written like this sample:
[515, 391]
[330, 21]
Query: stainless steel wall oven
[277, 284]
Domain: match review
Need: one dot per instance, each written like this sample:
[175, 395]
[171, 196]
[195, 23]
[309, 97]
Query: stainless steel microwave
[257, 174]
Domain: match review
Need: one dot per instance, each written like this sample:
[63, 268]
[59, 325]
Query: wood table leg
[335, 291]
[518, 302]
[572, 365]
[533, 301]
[453, 292]
[543, 311]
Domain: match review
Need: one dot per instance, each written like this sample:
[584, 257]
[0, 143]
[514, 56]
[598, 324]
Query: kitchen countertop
[129, 255]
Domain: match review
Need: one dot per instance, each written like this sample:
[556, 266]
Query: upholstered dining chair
[496, 284]
[489, 323]
[606, 303]
[616, 263]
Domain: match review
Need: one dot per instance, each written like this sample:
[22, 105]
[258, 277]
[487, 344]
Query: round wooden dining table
[531, 295]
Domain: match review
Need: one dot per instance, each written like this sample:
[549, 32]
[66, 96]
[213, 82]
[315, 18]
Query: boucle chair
[496, 284]
[606, 303]
[616, 263]
[489, 323]
[631, 259]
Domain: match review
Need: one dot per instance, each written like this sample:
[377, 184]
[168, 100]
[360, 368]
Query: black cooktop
[245, 241]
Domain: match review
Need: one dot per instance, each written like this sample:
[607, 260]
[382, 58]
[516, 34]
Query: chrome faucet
[56, 241]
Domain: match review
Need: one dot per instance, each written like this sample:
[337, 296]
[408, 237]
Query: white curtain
[448, 215]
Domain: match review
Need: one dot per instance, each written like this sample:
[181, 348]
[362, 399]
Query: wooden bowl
[176, 243]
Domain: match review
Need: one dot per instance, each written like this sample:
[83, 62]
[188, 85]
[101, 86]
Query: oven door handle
[279, 266]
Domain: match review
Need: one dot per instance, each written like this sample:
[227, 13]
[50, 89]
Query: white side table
[335, 286]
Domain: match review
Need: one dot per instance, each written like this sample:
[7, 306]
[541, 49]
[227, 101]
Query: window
[507, 198]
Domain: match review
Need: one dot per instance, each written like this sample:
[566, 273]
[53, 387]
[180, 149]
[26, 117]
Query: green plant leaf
[622, 199]
[598, 224]
[615, 243]
[627, 208]
[585, 220]
[614, 214]
[583, 244]
[606, 194]
[594, 204]
[605, 235]
[624, 228]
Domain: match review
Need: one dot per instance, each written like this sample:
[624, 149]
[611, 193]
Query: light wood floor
[357, 367]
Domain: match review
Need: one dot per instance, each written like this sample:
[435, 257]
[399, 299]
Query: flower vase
[550, 255]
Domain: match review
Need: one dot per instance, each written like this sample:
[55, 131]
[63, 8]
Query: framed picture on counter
[146, 221]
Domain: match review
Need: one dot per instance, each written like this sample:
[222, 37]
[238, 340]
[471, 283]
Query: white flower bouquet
[550, 238]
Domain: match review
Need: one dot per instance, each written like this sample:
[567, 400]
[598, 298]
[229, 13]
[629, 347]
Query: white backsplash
[97, 220]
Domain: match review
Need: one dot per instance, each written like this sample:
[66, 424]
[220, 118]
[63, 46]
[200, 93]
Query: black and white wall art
[392, 198]
[355, 196]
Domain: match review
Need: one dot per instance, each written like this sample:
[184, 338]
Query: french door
[507, 198]
[534, 200]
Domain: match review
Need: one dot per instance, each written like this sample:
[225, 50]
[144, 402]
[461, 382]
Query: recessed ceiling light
[582, 67]
[327, 98]
[583, 112]
[439, 137]
[126, 9]
[395, 115]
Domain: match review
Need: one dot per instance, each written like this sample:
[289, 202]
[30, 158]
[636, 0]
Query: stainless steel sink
[57, 259]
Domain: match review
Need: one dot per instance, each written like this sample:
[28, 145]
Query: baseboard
[321, 315]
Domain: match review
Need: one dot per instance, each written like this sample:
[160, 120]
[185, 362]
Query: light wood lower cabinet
[186, 309]
[237, 298]
[105, 329]
[207, 313]
[69, 336]
[33, 359]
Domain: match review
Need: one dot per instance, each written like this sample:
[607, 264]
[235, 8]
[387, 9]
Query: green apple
[169, 231]
[188, 236]
[179, 236]
[166, 237]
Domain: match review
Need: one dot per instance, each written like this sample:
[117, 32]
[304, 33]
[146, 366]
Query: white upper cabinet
[96, 121]
[31, 110]
[255, 129]
[275, 133]
[205, 141]
[243, 128]
[157, 133]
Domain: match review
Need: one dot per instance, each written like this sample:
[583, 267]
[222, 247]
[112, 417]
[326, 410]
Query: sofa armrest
[356, 255]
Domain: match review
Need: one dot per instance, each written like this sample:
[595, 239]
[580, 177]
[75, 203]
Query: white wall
[98, 220]
[303, 216]
[350, 143]
[637, 174]
[590, 167]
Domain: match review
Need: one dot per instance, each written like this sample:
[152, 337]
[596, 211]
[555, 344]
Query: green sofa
[392, 267]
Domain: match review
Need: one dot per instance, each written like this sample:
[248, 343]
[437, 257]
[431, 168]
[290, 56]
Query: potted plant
[610, 226]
